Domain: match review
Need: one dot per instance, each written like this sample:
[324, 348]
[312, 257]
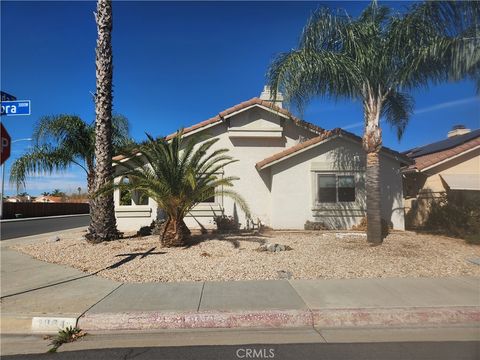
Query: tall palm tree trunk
[103, 225]
[372, 143]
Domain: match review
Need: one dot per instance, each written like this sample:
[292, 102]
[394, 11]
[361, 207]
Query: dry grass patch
[235, 257]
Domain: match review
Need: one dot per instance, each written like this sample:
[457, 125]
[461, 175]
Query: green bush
[456, 214]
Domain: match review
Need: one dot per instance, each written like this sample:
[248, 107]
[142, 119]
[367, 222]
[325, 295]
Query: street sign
[18, 107]
[6, 96]
[5, 142]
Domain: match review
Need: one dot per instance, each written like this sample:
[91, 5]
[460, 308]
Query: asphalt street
[465, 350]
[20, 228]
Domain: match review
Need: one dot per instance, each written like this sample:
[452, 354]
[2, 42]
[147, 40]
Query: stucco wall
[430, 186]
[294, 187]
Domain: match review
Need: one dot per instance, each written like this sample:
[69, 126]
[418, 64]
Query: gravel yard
[314, 255]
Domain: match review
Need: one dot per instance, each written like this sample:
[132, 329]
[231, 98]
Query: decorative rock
[273, 247]
[284, 274]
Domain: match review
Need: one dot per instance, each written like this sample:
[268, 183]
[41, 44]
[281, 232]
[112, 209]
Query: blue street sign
[6, 96]
[19, 107]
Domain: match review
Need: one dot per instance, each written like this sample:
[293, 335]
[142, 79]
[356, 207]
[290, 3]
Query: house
[48, 199]
[448, 165]
[290, 171]
[18, 199]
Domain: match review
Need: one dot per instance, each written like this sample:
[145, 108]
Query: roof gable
[327, 135]
[267, 105]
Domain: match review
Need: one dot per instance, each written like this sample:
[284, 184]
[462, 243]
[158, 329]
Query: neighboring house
[452, 164]
[290, 171]
[17, 199]
[48, 199]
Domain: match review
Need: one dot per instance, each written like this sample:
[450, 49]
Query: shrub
[226, 223]
[144, 231]
[456, 214]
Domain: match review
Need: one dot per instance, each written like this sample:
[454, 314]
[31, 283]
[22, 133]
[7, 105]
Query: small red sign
[6, 140]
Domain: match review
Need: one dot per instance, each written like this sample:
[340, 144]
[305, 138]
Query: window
[140, 198]
[211, 198]
[327, 188]
[346, 189]
[333, 188]
[125, 195]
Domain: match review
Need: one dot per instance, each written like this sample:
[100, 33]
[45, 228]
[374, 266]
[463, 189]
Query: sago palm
[377, 58]
[62, 141]
[178, 174]
[103, 225]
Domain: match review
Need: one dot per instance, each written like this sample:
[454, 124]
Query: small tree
[178, 175]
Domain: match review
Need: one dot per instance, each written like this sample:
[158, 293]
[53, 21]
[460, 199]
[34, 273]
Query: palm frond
[42, 159]
[177, 174]
[397, 109]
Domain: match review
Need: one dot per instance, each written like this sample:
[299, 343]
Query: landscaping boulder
[54, 238]
[274, 247]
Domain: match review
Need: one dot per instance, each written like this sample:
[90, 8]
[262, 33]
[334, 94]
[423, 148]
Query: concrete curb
[192, 320]
[323, 318]
[401, 316]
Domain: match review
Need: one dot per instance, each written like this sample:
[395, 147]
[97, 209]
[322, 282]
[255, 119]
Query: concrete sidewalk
[40, 297]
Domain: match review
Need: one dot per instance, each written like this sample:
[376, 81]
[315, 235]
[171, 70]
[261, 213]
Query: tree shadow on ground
[131, 256]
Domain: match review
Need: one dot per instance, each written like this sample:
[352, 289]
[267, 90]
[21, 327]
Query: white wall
[294, 187]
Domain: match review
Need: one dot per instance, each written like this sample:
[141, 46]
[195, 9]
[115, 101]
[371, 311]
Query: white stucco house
[290, 171]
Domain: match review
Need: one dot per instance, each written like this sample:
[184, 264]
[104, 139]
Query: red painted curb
[190, 320]
[323, 318]
[332, 318]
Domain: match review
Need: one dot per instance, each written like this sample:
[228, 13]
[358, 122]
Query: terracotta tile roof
[254, 101]
[243, 105]
[428, 160]
[322, 133]
[326, 134]
[293, 149]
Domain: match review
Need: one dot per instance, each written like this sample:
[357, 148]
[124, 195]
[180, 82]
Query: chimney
[458, 130]
[267, 95]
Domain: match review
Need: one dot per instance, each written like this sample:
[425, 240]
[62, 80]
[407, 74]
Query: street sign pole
[3, 190]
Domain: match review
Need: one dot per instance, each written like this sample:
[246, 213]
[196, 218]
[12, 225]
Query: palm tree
[377, 58]
[62, 141]
[103, 225]
[177, 174]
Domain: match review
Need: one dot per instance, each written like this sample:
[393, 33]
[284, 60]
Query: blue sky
[176, 64]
